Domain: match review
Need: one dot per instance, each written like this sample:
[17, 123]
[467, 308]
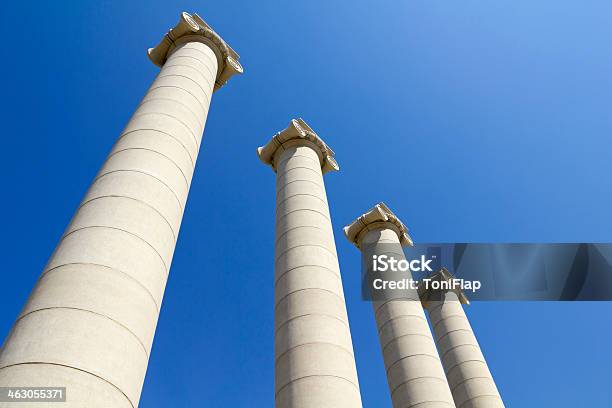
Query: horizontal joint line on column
[448, 317]
[153, 151]
[186, 47]
[310, 344]
[429, 402]
[451, 331]
[191, 67]
[144, 349]
[394, 300]
[311, 314]
[335, 273]
[301, 209]
[389, 252]
[457, 346]
[204, 109]
[177, 54]
[463, 381]
[147, 174]
[207, 97]
[411, 356]
[439, 305]
[137, 115]
[478, 396]
[175, 57]
[303, 289]
[315, 375]
[191, 159]
[72, 368]
[153, 99]
[295, 181]
[45, 272]
[133, 199]
[301, 194]
[318, 173]
[408, 335]
[294, 228]
[393, 249]
[299, 155]
[122, 230]
[386, 241]
[428, 377]
[400, 317]
[306, 245]
[447, 371]
[315, 170]
[169, 63]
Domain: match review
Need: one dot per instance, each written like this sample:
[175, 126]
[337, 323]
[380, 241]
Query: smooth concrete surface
[414, 372]
[468, 375]
[314, 361]
[90, 320]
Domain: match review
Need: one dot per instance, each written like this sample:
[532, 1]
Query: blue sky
[474, 121]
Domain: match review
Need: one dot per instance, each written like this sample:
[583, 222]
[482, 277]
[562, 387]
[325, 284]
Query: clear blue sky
[481, 121]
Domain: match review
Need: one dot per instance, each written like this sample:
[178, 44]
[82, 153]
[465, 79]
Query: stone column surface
[88, 325]
[414, 372]
[314, 361]
[467, 372]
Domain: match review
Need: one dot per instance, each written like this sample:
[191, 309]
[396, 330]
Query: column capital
[377, 218]
[429, 294]
[191, 28]
[298, 133]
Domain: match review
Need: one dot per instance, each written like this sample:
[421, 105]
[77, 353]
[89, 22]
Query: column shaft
[414, 372]
[89, 322]
[315, 365]
[468, 375]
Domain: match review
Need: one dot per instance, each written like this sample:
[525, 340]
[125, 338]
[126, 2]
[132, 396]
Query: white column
[314, 361]
[468, 375]
[414, 372]
[89, 322]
